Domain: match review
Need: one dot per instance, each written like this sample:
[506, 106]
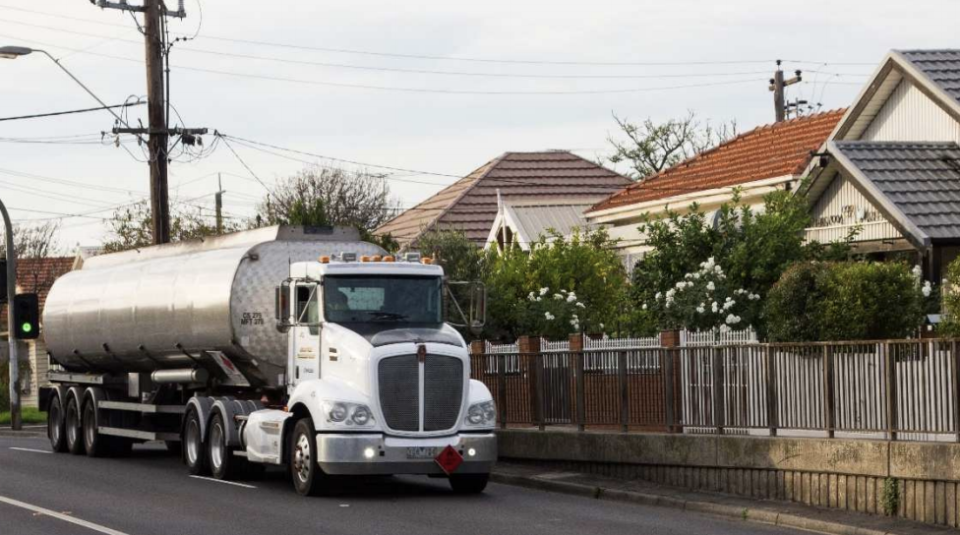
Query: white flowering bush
[554, 314]
[703, 301]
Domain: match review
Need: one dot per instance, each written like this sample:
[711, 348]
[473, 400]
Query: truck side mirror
[467, 305]
[282, 306]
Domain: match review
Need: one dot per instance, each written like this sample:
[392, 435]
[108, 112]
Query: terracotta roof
[36, 275]
[470, 204]
[770, 151]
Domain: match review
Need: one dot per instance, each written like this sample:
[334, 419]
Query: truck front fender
[311, 395]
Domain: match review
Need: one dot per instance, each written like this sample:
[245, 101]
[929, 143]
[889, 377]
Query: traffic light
[26, 316]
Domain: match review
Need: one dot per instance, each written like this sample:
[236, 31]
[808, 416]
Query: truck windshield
[382, 299]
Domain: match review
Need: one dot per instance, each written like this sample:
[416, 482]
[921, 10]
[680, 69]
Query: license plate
[421, 452]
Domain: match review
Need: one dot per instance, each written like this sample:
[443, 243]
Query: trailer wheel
[193, 454]
[96, 444]
[307, 477]
[56, 430]
[469, 483]
[223, 464]
[72, 422]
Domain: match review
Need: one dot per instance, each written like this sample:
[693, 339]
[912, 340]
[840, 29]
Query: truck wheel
[56, 430]
[193, 454]
[307, 477]
[223, 464]
[72, 426]
[96, 444]
[469, 483]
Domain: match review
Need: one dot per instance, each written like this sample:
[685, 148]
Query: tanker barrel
[182, 376]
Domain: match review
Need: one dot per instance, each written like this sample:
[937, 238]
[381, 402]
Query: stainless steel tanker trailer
[291, 346]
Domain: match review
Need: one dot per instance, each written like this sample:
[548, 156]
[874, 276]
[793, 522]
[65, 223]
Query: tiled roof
[771, 151]
[470, 204]
[36, 275]
[921, 179]
[941, 66]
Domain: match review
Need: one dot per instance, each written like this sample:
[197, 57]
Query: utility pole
[778, 85]
[219, 200]
[11, 275]
[158, 101]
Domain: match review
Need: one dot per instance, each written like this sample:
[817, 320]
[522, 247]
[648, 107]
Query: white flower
[696, 276]
[715, 307]
[732, 320]
[549, 316]
[754, 297]
[532, 296]
[644, 306]
[741, 291]
[657, 296]
[543, 291]
[581, 305]
[917, 271]
[558, 297]
[575, 318]
[688, 276]
[539, 299]
[601, 326]
[927, 289]
[701, 309]
[574, 323]
[670, 293]
[571, 298]
[711, 286]
[718, 270]
[728, 305]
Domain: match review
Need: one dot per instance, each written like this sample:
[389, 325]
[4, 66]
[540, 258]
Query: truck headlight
[481, 415]
[344, 414]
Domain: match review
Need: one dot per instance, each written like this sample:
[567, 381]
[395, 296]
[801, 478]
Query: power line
[70, 112]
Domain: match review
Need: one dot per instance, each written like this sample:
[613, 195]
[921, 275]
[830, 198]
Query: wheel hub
[193, 442]
[302, 459]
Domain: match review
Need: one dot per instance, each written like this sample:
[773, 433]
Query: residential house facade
[766, 159]
[890, 171]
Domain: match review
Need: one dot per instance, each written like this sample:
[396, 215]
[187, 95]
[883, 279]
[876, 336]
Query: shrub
[950, 326]
[846, 301]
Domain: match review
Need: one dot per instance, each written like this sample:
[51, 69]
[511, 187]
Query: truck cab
[377, 381]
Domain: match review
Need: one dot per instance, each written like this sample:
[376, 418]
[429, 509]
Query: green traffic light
[26, 328]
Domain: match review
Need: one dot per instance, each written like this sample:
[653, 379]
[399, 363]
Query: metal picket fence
[892, 389]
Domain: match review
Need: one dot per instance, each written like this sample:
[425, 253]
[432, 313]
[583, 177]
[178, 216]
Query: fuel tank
[206, 303]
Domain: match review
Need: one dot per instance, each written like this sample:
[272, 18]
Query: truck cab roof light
[324, 259]
[348, 257]
[427, 261]
[389, 259]
[412, 257]
[376, 258]
[364, 258]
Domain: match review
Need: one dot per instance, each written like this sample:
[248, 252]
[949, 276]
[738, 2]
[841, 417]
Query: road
[150, 493]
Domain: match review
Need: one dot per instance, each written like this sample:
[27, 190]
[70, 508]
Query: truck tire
[193, 450]
[72, 422]
[95, 444]
[223, 464]
[308, 479]
[469, 483]
[56, 430]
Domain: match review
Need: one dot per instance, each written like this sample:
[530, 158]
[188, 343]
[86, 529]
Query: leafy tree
[650, 147]
[320, 196]
[33, 241]
[461, 259]
[131, 226]
[753, 248]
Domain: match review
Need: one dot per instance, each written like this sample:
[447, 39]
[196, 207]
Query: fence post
[624, 392]
[955, 378]
[576, 352]
[828, 394]
[669, 344]
[719, 412]
[502, 389]
[891, 383]
[773, 409]
[529, 347]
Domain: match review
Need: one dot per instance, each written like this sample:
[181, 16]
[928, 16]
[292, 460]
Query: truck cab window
[308, 306]
[382, 299]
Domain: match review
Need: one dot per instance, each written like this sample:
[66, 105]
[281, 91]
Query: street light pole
[11, 275]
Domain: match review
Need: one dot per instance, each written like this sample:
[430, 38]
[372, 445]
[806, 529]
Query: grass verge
[30, 416]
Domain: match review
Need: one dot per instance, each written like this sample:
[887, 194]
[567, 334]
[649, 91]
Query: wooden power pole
[778, 85]
[219, 202]
[158, 142]
[158, 99]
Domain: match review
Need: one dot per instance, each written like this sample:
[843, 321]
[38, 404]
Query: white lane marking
[31, 450]
[234, 483]
[59, 516]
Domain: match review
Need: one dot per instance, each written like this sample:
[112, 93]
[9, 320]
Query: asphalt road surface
[150, 493]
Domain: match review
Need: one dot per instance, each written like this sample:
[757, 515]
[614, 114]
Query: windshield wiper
[389, 315]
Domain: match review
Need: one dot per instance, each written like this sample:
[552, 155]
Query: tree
[462, 260]
[650, 148]
[36, 241]
[131, 226]
[752, 248]
[320, 196]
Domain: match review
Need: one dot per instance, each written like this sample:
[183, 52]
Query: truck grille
[399, 379]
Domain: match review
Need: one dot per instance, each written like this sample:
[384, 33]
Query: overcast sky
[551, 75]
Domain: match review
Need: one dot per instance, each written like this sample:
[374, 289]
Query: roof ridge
[490, 166]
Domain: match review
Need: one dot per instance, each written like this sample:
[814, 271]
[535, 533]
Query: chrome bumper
[348, 454]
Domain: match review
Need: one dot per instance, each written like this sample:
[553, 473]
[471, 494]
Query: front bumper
[347, 454]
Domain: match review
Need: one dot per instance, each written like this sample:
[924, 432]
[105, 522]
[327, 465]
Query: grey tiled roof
[942, 66]
[921, 179]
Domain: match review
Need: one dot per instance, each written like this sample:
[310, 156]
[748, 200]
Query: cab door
[305, 338]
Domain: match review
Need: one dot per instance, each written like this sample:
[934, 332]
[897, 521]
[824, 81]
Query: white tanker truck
[305, 348]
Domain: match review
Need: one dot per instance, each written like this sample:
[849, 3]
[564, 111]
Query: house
[766, 159]
[472, 204]
[890, 170]
[34, 275]
[522, 222]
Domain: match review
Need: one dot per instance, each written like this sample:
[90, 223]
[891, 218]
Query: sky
[432, 88]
